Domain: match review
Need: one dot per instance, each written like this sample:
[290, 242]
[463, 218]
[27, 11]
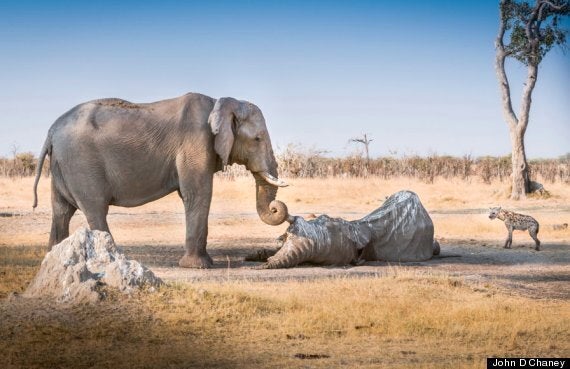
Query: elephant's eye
[257, 138]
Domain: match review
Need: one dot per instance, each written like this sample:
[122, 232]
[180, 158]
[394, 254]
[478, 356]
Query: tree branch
[360, 140]
[527, 97]
[533, 36]
[555, 7]
[508, 112]
[533, 33]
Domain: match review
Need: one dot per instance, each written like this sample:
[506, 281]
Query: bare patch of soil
[155, 239]
[520, 270]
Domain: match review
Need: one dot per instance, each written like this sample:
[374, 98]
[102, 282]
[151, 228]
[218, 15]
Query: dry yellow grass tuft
[18, 265]
[400, 319]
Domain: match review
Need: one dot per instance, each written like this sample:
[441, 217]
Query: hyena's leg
[532, 231]
[509, 240]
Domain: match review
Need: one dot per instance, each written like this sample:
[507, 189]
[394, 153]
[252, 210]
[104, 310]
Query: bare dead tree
[526, 33]
[366, 142]
[14, 149]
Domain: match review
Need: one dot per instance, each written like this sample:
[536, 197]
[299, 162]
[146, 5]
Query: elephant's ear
[224, 120]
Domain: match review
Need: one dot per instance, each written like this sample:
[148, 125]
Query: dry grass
[458, 208]
[402, 318]
[17, 267]
[305, 194]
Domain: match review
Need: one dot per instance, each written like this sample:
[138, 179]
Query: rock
[76, 269]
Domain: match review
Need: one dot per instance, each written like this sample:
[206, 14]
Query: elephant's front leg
[196, 198]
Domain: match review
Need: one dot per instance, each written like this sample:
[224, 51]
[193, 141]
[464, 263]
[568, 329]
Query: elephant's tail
[45, 151]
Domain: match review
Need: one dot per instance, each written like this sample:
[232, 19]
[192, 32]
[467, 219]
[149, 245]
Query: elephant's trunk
[271, 211]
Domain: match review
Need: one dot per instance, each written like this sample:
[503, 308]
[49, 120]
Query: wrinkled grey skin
[322, 241]
[113, 152]
[400, 230]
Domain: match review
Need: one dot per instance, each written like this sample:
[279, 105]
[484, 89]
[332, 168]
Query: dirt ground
[471, 243]
[522, 271]
[475, 300]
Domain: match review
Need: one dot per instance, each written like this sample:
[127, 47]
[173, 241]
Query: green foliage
[533, 30]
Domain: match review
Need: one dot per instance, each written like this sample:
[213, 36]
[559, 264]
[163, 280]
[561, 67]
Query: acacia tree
[527, 33]
[365, 140]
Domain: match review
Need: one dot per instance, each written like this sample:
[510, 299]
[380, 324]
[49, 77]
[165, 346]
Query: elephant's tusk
[272, 180]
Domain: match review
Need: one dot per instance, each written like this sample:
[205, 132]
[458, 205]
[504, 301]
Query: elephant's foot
[196, 261]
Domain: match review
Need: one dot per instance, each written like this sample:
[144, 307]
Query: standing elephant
[113, 152]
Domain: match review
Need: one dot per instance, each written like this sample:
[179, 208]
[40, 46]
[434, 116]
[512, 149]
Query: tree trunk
[520, 175]
[517, 126]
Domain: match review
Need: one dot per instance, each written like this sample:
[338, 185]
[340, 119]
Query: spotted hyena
[516, 221]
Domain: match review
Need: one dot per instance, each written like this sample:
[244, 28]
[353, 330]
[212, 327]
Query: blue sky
[417, 76]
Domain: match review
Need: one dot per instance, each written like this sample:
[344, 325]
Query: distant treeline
[426, 168]
[298, 163]
[20, 165]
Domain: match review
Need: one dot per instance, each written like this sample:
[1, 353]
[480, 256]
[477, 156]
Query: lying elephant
[114, 152]
[400, 230]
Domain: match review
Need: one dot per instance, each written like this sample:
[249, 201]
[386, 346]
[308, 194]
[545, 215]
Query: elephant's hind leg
[96, 215]
[62, 211]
